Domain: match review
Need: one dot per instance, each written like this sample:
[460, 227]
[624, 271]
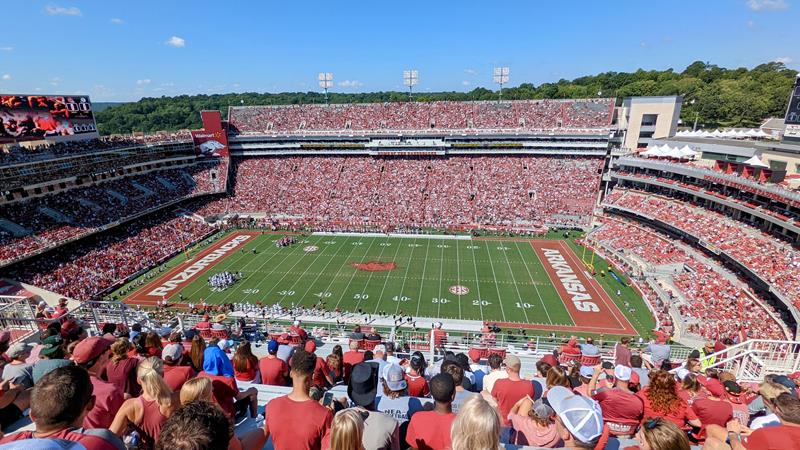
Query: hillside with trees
[722, 97]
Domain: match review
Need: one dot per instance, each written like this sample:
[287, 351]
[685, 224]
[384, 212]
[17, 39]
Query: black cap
[363, 384]
[608, 365]
[732, 387]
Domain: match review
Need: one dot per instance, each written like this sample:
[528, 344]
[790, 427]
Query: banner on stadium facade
[792, 119]
[45, 117]
[211, 141]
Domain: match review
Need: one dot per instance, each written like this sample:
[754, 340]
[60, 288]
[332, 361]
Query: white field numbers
[524, 305]
[440, 300]
[286, 293]
[400, 298]
[481, 303]
[360, 296]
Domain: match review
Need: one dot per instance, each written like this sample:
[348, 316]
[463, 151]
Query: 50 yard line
[422, 281]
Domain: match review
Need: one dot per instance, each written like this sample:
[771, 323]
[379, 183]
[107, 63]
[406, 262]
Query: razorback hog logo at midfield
[187, 274]
[577, 291]
[374, 266]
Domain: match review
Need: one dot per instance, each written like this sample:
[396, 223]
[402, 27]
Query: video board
[50, 117]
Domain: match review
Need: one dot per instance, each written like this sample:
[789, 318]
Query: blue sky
[119, 51]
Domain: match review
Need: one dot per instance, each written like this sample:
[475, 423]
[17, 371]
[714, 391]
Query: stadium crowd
[176, 390]
[717, 308]
[443, 192]
[15, 154]
[443, 115]
[773, 260]
[53, 219]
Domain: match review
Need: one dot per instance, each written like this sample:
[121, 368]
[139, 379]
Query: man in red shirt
[785, 436]
[92, 354]
[175, 374]
[322, 373]
[295, 421]
[508, 391]
[351, 359]
[430, 430]
[59, 403]
[298, 330]
[712, 409]
[274, 370]
[622, 409]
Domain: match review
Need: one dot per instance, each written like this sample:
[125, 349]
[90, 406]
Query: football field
[538, 284]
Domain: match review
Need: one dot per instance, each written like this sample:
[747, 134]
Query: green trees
[722, 97]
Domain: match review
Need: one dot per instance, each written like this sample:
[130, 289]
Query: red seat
[370, 345]
[501, 352]
[590, 360]
[566, 358]
[219, 334]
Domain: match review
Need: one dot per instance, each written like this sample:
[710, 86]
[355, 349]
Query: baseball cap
[783, 380]
[51, 345]
[622, 373]
[272, 347]
[732, 388]
[311, 346]
[17, 349]
[713, 386]
[681, 373]
[380, 348]
[172, 351]
[542, 410]
[395, 377]
[587, 372]
[549, 359]
[512, 361]
[607, 365]
[89, 349]
[417, 361]
[363, 384]
[580, 415]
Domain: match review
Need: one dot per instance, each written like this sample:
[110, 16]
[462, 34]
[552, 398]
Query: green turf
[506, 279]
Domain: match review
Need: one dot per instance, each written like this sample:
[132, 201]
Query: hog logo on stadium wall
[374, 266]
[210, 148]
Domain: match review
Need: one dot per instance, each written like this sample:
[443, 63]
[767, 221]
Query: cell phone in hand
[327, 399]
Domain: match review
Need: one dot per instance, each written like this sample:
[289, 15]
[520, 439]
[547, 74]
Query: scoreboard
[45, 117]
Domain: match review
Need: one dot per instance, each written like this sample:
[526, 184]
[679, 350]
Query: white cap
[173, 350]
[296, 323]
[622, 373]
[581, 415]
[380, 348]
[681, 373]
[395, 377]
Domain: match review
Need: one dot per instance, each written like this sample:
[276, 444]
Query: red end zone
[589, 305]
[180, 276]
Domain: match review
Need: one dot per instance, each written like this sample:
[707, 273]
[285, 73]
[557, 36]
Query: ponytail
[151, 376]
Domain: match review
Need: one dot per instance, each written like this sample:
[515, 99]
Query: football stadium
[603, 263]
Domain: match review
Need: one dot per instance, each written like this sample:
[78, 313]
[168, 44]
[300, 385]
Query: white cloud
[470, 71]
[465, 83]
[7, 49]
[176, 42]
[143, 82]
[750, 24]
[784, 59]
[643, 44]
[55, 10]
[767, 5]
[6, 77]
[55, 81]
[116, 21]
[350, 84]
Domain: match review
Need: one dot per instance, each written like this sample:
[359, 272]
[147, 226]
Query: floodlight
[410, 79]
[325, 82]
[500, 76]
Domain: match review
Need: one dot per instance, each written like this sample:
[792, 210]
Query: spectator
[59, 403]
[322, 377]
[622, 353]
[356, 335]
[477, 426]
[351, 358]
[335, 367]
[309, 420]
[379, 358]
[196, 353]
[415, 377]
[274, 371]
[245, 363]
[496, 372]
[14, 400]
[381, 431]
[285, 349]
[712, 409]
[197, 425]
[535, 421]
[17, 370]
[507, 392]
[555, 377]
[92, 354]
[462, 395]
[175, 374]
[642, 373]
[196, 389]
[785, 436]
[660, 399]
[579, 420]
[430, 430]
[347, 431]
[121, 370]
[51, 357]
[589, 349]
[768, 391]
[217, 367]
[622, 410]
[148, 412]
[659, 350]
[659, 434]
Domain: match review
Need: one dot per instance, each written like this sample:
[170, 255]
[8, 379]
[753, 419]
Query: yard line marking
[477, 280]
[386, 281]
[516, 286]
[356, 272]
[458, 280]
[496, 286]
[324, 269]
[275, 285]
[422, 278]
[408, 266]
[538, 294]
[333, 279]
[441, 271]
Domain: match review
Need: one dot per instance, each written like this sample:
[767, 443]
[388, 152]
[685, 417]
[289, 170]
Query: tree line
[716, 96]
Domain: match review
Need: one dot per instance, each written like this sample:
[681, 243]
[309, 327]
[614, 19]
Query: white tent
[752, 133]
[756, 162]
[687, 152]
[652, 152]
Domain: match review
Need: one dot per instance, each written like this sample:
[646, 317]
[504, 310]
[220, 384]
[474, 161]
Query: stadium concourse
[82, 219]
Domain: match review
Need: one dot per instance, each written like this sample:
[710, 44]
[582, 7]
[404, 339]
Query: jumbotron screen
[51, 117]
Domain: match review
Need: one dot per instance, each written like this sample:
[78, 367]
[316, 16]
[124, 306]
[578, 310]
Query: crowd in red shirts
[717, 308]
[145, 390]
[442, 115]
[775, 261]
[56, 218]
[443, 192]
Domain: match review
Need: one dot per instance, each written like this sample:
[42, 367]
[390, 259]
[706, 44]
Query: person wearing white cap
[622, 409]
[579, 420]
[379, 358]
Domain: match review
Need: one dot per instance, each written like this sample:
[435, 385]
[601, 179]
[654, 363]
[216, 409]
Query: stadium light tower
[500, 77]
[410, 79]
[325, 82]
